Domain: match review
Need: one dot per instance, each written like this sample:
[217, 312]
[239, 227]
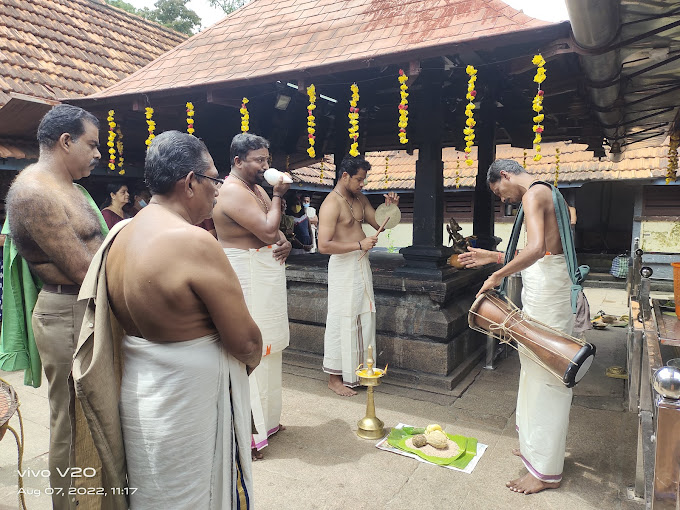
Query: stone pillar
[427, 256]
[483, 219]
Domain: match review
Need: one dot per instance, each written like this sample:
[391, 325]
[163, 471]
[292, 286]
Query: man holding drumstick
[543, 403]
[350, 324]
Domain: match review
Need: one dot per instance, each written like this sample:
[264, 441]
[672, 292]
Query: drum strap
[576, 273]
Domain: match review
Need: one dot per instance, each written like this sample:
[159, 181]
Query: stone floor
[318, 462]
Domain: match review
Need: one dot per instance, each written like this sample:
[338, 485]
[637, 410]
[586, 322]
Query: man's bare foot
[281, 427]
[515, 451]
[256, 455]
[335, 384]
[529, 484]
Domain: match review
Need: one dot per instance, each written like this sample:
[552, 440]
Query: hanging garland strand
[524, 164]
[110, 143]
[387, 163]
[354, 120]
[403, 107]
[190, 118]
[557, 165]
[119, 148]
[245, 116]
[470, 123]
[151, 125]
[537, 106]
[457, 171]
[671, 171]
[321, 172]
[311, 120]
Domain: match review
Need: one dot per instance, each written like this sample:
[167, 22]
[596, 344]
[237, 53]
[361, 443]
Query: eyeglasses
[218, 181]
[260, 160]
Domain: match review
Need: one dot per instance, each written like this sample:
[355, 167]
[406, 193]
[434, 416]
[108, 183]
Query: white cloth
[311, 213]
[263, 281]
[350, 323]
[543, 402]
[185, 415]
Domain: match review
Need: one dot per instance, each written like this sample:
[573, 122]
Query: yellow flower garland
[190, 118]
[311, 120]
[387, 163]
[151, 124]
[119, 148]
[671, 171]
[403, 107]
[537, 105]
[524, 164]
[110, 143]
[321, 172]
[557, 165]
[245, 116]
[457, 171]
[354, 120]
[470, 123]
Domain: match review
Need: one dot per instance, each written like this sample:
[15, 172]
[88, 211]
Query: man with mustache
[247, 224]
[56, 228]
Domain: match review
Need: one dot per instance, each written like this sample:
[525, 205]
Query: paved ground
[320, 463]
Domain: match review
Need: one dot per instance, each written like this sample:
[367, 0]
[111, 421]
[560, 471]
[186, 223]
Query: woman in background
[118, 197]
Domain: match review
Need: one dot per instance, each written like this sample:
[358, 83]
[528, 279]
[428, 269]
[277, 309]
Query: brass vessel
[370, 426]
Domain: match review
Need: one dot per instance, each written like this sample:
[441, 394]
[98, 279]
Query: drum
[565, 356]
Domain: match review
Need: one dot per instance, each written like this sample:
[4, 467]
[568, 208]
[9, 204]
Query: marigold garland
[311, 124]
[557, 165]
[537, 105]
[671, 171]
[470, 123]
[321, 172]
[524, 164]
[354, 120]
[245, 116]
[119, 148]
[403, 107]
[190, 118]
[387, 163]
[110, 143]
[151, 124]
[457, 171]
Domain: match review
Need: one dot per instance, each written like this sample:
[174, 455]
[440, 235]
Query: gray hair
[503, 165]
[171, 156]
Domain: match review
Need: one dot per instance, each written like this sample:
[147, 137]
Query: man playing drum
[543, 402]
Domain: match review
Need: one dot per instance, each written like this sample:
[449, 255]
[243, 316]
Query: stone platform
[422, 329]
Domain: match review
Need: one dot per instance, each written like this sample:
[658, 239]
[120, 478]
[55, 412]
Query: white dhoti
[543, 401]
[350, 323]
[185, 415]
[263, 281]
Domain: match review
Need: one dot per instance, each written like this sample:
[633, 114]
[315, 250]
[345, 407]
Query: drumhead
[388, 211]
[584, 368]
[8, 402]
[473, 310]
[579, 365]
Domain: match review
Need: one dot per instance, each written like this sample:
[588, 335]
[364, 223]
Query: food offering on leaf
[433, 442]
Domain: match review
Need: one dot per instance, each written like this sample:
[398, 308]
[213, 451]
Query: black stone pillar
[427, 256]
[483, 219]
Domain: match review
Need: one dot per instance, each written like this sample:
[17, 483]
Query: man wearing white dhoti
[350, 324]
[247, 224]
[168, 407]
[543, 402]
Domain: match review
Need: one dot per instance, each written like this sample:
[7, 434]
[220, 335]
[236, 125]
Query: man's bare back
[541, 195]
[55, 218]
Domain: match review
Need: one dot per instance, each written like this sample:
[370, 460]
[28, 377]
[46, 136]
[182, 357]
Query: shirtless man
[178, 300]
[350, 324]
[247, 224]
[57, 229]
[542, 403]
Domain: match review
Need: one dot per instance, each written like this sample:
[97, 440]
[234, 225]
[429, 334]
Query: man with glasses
[188, 347]
[247, 223]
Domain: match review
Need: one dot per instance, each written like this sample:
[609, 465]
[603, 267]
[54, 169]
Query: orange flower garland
[311, 120]
[557, 165]
[671, 171]
[151, 124]
[245, 116]
[470, 123]
[537, 106]
[119, 148]
[190, 118]
[354, 120]
[403, 107]
[110, 143]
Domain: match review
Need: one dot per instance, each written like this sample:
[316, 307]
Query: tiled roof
[267, 39]
[576, 165]
[68, 48]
